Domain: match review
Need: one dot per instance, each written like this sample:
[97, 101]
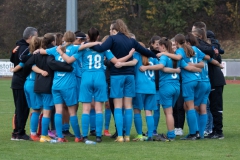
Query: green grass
[227, 148]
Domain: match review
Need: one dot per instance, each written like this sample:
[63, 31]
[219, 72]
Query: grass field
[228, 148]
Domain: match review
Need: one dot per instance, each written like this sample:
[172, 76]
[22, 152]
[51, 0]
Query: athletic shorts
[168, 94]
[67, 96]
[122, 86]
[145, 101]
[189, 90]
[46, 100]
[93, 84]
[31, 95]
[201, 96]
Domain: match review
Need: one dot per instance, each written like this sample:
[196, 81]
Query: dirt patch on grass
[233, 81]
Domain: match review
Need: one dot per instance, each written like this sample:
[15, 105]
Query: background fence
[231, 68]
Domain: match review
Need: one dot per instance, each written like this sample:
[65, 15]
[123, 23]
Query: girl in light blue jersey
[169, 84]
[145, 98]
[204, 86]
[64, 86]
[93, 83]
[29, 90]
[189, 82]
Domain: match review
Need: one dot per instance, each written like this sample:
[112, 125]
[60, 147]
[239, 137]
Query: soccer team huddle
[63, 70]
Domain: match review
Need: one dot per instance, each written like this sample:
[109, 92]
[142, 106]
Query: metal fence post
[71, 18]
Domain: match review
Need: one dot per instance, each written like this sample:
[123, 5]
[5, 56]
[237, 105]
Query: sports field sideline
[228, 148]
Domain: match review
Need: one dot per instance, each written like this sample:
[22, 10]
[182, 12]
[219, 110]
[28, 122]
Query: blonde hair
[105, 38]
[69, 37]
[35, 43]
[120, 26]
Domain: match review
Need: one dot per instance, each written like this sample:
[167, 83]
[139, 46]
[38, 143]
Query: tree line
[144, 18]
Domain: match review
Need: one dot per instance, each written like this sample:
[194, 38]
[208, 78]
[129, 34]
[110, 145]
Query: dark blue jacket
[120, 45]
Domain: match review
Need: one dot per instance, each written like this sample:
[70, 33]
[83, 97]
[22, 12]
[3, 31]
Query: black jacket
[120, 45]
[156, 73]
[214, 41]
[19, 77]
[49, 64]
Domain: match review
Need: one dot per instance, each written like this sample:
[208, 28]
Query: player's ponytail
[180, 39]
[47, 40]
[93, 34]
[168, 45]
[145, 60]
[69, 37]
[35, 44]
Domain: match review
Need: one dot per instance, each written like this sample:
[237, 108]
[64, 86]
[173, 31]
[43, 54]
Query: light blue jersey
[201, 55]
[186, 75]
[63, 80]
[144, 81]
[32, 75]
[167, 77]
[93, 61]
[78, 63]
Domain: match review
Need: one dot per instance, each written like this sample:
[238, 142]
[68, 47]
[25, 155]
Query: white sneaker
[176, 131]
[179, 132]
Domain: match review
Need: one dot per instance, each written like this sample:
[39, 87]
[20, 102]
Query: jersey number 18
[97, 61]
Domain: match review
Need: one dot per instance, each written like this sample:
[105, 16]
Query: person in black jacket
[43, 84]
[21, 108]
[217, 82]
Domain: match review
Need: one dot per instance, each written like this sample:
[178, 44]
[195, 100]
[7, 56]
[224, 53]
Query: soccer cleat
[114, 136]
[98, 139]
[155, 133]
[218, 136]
[78, 139]
[149, 139]
[92, 133]
[119, 139]
[171, 139]
[34, 137]
[127, 139]
[45, 139]
[106, 133]
[209, 136]
[162, 137]
[52, 134]
[140, 138]
[67, 134]
[23, 137]
[61, 140]
[214, 136]
[14, 137]
[189, 137]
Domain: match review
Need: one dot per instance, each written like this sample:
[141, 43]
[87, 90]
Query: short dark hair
[80, 35]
